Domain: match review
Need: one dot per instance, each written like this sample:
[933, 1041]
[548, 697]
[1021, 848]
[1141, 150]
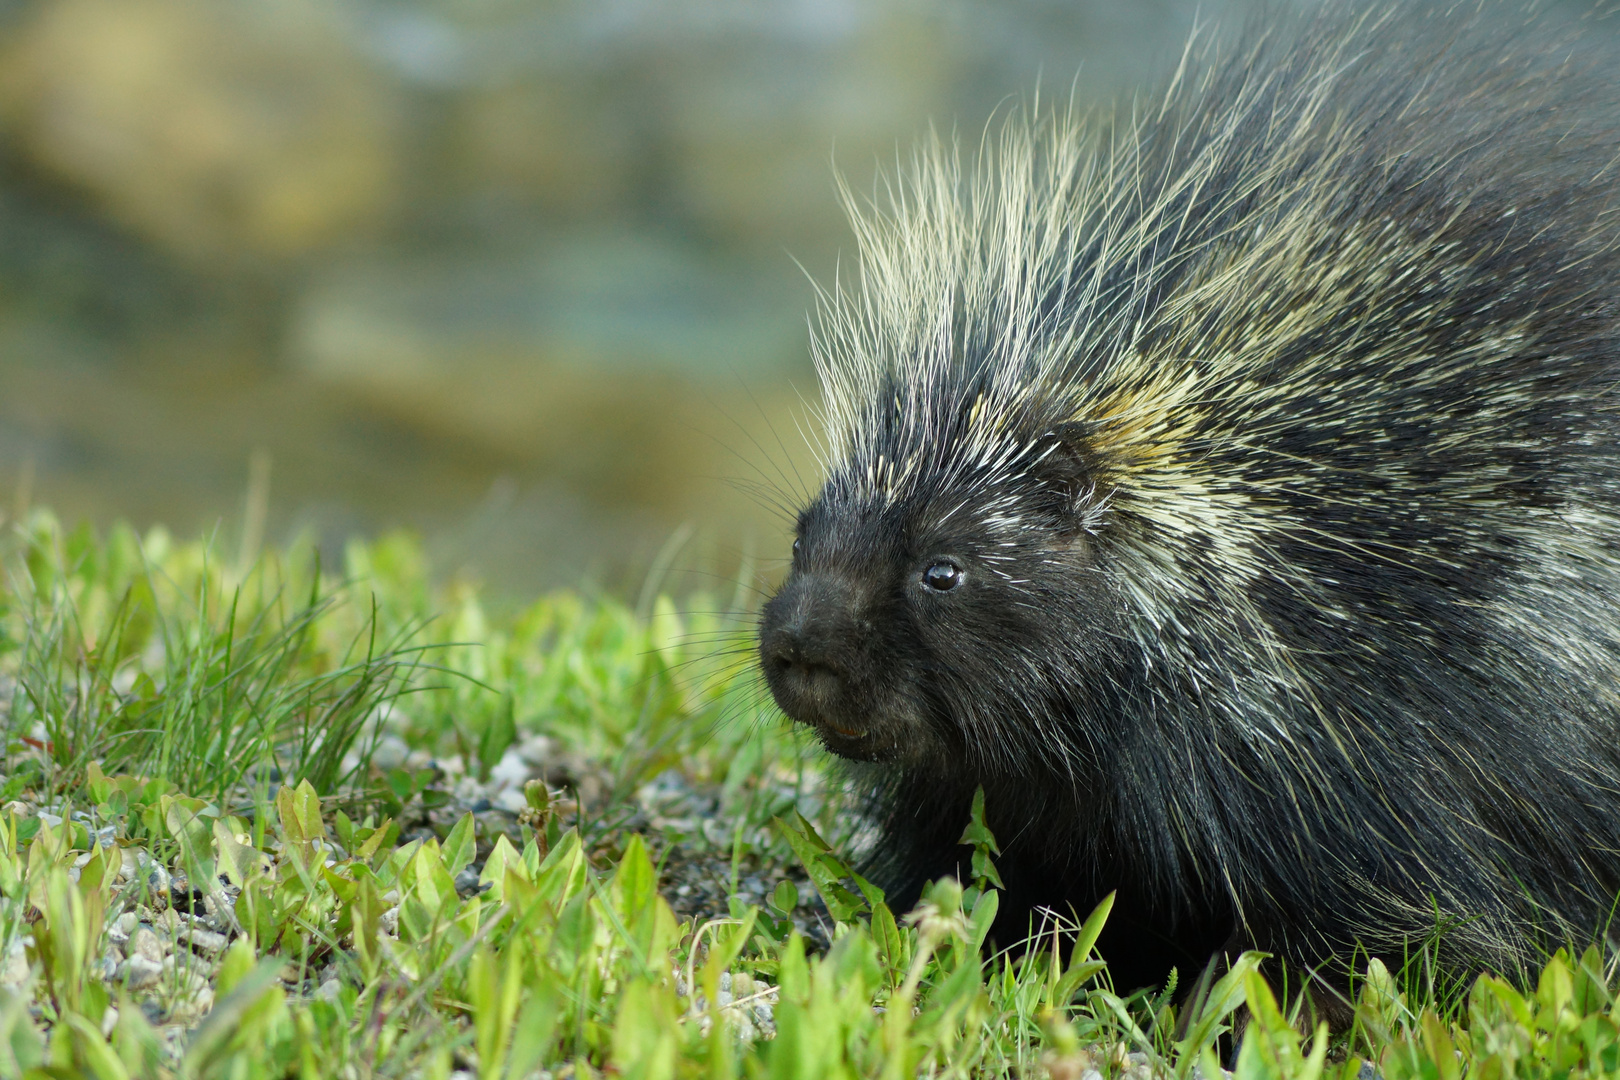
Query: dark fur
[1332, 645]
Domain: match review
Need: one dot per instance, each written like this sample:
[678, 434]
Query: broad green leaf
[824, 869]
[259, 988]
[536, 1025]
[459, 847]
[644, 1043]
[1211, 1010]
[1092, 929]
[977, 832]
[892, 948]
[635, 882]
[983, 917]
[92, 1049]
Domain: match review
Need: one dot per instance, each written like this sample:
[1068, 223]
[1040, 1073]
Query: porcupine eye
[942, 576]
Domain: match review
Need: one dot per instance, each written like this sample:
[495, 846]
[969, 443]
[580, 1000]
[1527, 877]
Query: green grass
[209, 727]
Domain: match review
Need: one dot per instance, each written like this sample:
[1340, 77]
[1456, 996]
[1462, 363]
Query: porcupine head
[952, 618]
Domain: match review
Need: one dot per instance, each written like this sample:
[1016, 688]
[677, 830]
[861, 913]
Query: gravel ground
[165, 938]
[688, 832]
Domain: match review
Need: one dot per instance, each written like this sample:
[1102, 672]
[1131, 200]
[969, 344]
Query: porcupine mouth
[846, 742]
[856, 748]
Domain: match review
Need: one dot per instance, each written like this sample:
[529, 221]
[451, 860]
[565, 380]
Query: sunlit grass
[161, 663]
[188, 756]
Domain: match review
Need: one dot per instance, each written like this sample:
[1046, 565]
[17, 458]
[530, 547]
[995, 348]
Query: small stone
[138, 972]
[14, 969]
[1079, 1065]
[218, 920]
[183, 962]
[511, 771]
[536, 749]
[205, 941]
[389, 753]
[174, 1036]
[193, 1006]
[147, 945]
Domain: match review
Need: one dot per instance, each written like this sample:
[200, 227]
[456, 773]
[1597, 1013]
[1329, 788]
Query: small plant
[163, 663]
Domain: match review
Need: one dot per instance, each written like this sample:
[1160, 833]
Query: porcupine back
[1272, 422]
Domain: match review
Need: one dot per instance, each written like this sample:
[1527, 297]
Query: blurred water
[523, 275]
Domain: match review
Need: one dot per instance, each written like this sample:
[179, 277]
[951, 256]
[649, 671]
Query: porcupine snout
[804, 644]
[815, 651]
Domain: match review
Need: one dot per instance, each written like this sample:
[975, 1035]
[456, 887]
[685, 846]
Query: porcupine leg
[1140, 941]
[920, 834]
[1325, 987]
[1337, 1012]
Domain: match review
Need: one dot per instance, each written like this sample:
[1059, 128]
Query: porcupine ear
[1066, 476]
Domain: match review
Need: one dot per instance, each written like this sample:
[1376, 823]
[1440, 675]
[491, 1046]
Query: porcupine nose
[804, 627]
[806, 677]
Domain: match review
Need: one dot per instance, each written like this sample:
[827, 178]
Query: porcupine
[1230, 485]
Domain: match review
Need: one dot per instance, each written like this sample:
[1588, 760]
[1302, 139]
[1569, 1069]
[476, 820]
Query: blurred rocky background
[524, 275]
